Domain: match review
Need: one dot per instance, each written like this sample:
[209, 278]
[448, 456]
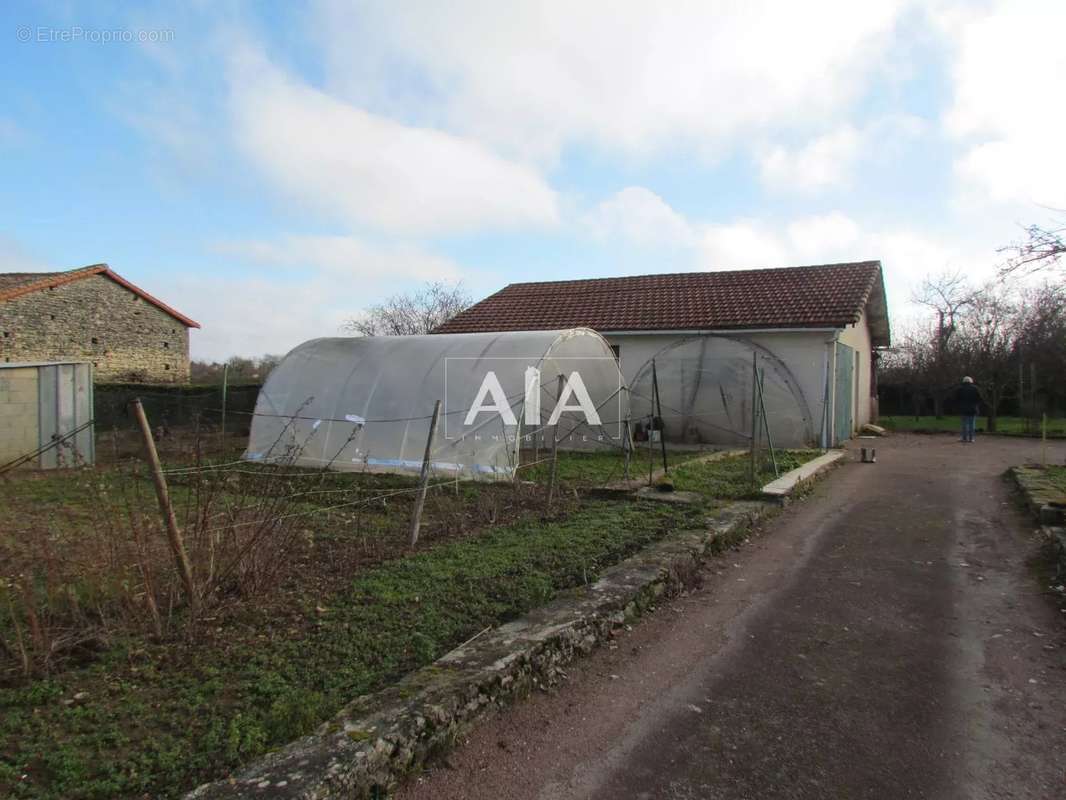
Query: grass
[730, 478]
[137, 714]
[1056, 477]
[1006, 426]
[600, 467]
[157, 718]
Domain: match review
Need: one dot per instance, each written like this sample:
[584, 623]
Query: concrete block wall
[18, 412]
[95, 319]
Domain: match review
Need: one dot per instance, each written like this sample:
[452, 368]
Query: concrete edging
[781, 489]
[1051, 518]
[376, 740]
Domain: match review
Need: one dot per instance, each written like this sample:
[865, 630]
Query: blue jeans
[969, 423]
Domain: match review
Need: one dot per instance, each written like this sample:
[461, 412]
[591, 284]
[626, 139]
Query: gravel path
[888, 638]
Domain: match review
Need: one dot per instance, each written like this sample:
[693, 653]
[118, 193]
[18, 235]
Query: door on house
[844, 412]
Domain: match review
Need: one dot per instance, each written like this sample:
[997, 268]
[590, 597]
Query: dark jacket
[968, 397]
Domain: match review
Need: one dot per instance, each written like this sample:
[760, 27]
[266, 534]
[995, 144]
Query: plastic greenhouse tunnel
[367, 403]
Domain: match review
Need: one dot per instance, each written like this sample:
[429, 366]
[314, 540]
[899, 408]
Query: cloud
[822, 162]
[1006, 111]
[831, 160]
[345, 257]
[637, 215]
[367, 170]
[313, 284]
[640, 216]
[530, 78]
[253, 316]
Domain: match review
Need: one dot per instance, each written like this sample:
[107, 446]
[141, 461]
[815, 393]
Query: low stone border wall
[1045, 503]
[378, 739]
[782, 489]
[1042, 498]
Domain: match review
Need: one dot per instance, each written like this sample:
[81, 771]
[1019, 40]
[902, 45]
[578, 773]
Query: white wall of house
[857, 336]
[807, 354]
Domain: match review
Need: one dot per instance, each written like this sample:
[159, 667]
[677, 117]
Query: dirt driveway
[886, 639]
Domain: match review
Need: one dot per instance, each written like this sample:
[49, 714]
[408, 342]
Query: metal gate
[843, 412]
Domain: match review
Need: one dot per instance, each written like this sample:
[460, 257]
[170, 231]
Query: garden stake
[1043, 438]
[659, 415]
[225, 388]
[754, 411]
[555, 445]
[766, 422]
[170, 523]
[423, 480]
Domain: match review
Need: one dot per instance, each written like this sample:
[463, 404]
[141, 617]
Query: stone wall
[95, 319]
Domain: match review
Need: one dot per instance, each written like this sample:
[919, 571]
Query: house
[701, 338]
[93, 314]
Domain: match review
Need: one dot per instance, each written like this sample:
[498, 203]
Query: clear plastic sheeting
[366, 403]
[706, 389]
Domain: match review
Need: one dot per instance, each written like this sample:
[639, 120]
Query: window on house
[51, 316]
[166, 345]
[7, 334]
[166, 366]
[95, 340]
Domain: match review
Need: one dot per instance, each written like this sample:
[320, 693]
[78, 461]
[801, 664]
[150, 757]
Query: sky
[272, 168]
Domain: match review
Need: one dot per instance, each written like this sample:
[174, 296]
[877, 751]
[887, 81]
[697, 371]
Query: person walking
[969, 399]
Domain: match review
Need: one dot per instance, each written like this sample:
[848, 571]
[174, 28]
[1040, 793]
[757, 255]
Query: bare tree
[986, 343]
[412, 313]
[949, 295]
[1042, 248]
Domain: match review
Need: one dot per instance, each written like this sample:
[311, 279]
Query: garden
[115, 682]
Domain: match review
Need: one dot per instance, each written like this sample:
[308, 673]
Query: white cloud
[825, 161]
[1007, 110]
[743, 244]
[365, 169]
[253, 316]
[314, 284]
[640, 216]
[532, 77]
[346, 257]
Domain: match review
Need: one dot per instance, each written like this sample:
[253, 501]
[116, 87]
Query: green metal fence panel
[843, 412]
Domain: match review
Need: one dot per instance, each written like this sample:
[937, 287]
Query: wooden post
[555, 444]
[627, 450]
[1043, 439]
[225, 391]
[170, 523]
[423, 480]
[659, 416]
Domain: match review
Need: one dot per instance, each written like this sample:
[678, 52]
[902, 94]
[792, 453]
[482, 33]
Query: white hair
[967, 379]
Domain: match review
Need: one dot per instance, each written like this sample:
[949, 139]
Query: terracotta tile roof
[16, 284]
[826, 296]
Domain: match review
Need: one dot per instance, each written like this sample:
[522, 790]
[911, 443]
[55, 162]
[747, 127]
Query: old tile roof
[825, 296]
[16, 284]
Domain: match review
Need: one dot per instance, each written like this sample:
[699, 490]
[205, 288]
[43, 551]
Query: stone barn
[95, 315]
